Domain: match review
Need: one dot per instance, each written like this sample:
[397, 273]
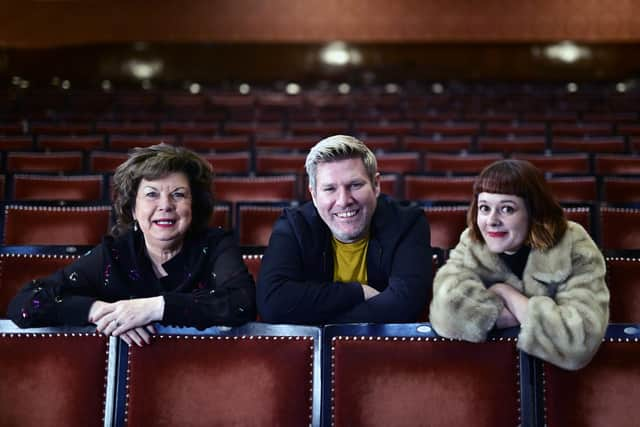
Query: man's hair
[339, 147]
[547, 222]
[155, 162]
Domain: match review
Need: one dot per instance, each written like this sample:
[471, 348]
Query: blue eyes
[155, 195]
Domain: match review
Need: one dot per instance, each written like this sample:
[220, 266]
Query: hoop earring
[135, 225]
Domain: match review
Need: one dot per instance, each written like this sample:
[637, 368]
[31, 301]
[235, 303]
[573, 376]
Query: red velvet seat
[216, 143]
[125, 128]
[62, 128]
[620, 190]
[16, 142]
[580, 189]
[446, 224]
[255, 223]
[221, 216]
[16, 270]
[248, 376]
[380, 378]
[438, 188]
[623, 280]
[458, 163]
[620, 228]
[612, 144]
[297, 143]
[129, 142]
[582, 129]
[401, 163]
[231, 163]
[263, 188]
[449, 128]
[68, 162]
[189, 128]
[55, 378]
[604, 393]
[617, 164]
[71, 143]
[320, 129]
[583, 216]
[274, 162]
[54, 225]
[535, 144]
[574, 163]
[506, 129]
[437, 145]
[43, 187]
[106, 162]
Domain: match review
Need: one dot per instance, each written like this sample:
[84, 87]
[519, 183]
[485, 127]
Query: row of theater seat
[433, 189]
[81, 225]
[18, 268]
[434, 142]
[283, 375]
[274, 162]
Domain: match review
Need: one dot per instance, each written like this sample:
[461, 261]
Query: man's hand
[369, 292]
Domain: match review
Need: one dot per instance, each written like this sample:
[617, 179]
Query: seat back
[459, 163]
[264, 188]
[620, 228]
[68, 162]
[255, 223]
[405, 375]
[572, 163]
[16, 270]
[604, 393]
[623, 280]
[55, 377]
[438, 188]
[55, 225]
[446, 224]
[621, 190]
[43, 187]
[256, 374]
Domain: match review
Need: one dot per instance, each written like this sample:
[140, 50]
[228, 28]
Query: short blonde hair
[339, 147]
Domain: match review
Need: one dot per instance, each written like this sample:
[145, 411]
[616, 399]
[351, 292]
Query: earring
[135, 225]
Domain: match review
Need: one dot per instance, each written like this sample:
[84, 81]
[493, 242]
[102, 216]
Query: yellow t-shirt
[350, 261]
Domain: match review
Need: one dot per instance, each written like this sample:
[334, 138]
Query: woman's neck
[159, 256]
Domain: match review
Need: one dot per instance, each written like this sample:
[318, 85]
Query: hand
[140, 336]
[369, 292]
[506, 319]
[514, 301]
[124, 315]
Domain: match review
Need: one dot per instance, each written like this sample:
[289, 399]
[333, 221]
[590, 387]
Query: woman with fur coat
[521, 263]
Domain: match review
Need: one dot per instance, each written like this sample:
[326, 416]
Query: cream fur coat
[568, 298]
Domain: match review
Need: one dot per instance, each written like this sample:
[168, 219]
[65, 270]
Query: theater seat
[263, 188]
[43, 187]
[16, 270]
[257, 374]
[67, 162]
[255, 223]
[54, 377]
[446, 223]
[405, 375]
[438, 188]
[620, 228]
[55, 225]
[623, 280]
[459, 163]
[604, 393]
[621, 190]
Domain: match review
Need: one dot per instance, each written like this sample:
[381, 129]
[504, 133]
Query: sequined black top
[207, 284]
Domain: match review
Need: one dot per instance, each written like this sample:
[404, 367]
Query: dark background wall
[261, 40]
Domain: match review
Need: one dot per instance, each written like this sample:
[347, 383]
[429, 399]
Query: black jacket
[296, 275]
[207, 284]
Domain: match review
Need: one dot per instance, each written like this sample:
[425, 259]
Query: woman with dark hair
[521, 263]
[161, 262]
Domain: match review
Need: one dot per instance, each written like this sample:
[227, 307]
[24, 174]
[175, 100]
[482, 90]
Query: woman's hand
[127, 316]
[515, 302]
[506, 319]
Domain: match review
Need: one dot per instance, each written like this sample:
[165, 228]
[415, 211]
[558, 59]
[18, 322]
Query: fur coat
[568, 309]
